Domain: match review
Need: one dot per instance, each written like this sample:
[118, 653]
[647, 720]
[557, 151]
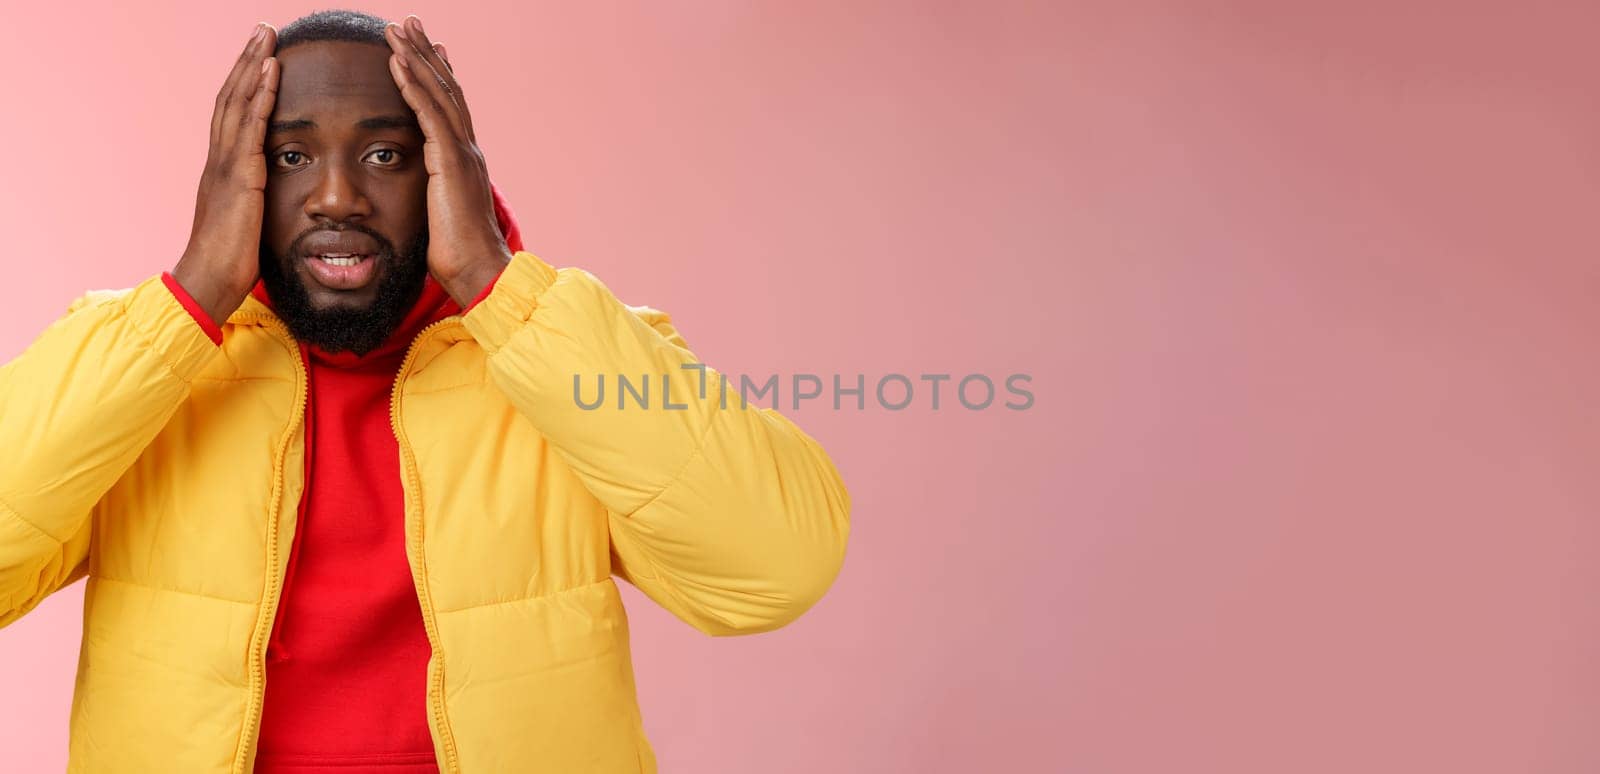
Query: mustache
[385, 247]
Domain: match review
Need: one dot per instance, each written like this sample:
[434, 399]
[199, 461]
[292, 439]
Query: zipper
[412, 484]
[269, 603]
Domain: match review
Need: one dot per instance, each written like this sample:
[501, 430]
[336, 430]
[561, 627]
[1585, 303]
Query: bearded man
[337, 506]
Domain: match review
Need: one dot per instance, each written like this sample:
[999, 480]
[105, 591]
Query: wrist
[217, 300]
[469, 284]
[201, 317]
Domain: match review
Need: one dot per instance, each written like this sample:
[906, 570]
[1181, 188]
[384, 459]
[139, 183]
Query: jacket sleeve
[730, 517]
[76, 409]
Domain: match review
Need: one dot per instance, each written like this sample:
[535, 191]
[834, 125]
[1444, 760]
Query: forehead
[335, 77]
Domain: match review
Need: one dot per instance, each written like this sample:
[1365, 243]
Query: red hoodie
[347, 660]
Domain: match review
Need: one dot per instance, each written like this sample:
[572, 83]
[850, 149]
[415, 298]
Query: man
[337, 505]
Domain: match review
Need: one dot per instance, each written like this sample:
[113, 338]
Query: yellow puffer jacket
[168, 470]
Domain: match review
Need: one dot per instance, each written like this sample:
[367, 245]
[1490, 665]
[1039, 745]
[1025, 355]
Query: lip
[336, 277]
[342, 244]
[338, 242]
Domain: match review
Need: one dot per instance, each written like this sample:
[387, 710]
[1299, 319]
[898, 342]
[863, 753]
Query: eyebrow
[277, 127]
[389, 122]
[375, 122]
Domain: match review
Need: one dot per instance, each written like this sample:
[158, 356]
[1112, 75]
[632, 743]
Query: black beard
[343, 329]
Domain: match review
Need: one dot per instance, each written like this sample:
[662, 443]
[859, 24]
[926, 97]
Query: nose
[338, 196]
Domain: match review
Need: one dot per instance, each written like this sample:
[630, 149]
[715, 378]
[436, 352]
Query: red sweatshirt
[347, 660]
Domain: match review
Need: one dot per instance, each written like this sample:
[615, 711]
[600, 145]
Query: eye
[290, 159]
[387, 157]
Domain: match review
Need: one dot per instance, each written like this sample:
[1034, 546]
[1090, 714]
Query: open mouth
[342, 271]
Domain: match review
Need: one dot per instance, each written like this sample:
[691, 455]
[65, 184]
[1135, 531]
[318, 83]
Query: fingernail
[261, 29]
[399, 31]
[442, 52]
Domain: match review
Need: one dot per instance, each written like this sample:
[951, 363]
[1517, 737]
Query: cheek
[280, 219]
[405, 207]
[417, 196]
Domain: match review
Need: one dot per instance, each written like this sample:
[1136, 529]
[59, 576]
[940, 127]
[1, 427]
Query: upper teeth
[341, 259]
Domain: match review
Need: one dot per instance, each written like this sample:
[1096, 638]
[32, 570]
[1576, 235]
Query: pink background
[1307, 294]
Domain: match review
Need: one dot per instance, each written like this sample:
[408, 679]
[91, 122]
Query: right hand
[222, 262]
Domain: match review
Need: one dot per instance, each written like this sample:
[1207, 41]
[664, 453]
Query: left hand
[465, 247]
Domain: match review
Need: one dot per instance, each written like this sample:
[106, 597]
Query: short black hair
[347, 26]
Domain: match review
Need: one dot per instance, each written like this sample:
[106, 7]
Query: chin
[357, 319]
[327, 298]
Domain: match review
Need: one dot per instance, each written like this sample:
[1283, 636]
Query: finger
[234, 74]
[254, 136]
[411, 72]
[235, 110]
[429, 51]
[240, 68]
[426, 76]
[436, 127]
[413, 34]
[432, 55]
[461, 98]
